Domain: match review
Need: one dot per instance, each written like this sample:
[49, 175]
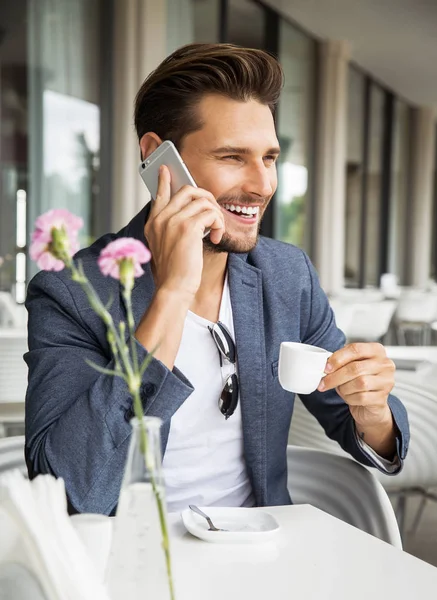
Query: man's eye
[231, 157]
[270, 158]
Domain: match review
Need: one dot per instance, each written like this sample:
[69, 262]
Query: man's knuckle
[363, 383]
[356, 368]
[355, 348]
[391, 366]
[379, 349]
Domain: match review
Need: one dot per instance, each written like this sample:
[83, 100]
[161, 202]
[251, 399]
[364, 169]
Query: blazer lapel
[245, 284]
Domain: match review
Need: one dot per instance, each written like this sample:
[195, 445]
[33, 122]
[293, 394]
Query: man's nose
[259, 182]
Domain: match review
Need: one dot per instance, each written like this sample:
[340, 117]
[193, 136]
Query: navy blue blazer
[77, 420]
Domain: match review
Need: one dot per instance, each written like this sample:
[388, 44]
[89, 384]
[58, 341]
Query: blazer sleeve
[77, 420]
[328, 407]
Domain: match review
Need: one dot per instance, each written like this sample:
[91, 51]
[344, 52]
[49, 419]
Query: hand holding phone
[181, 215]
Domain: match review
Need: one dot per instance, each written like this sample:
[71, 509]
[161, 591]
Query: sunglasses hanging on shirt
[226, 347]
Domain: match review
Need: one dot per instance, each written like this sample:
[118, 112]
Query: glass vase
[139, 564]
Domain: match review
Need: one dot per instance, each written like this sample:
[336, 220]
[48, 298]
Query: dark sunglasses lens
[223, 341]
[229, 396]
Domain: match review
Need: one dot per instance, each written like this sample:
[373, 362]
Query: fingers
[163, 193]
[360, 391]
[200, 214]
[358, 370]
[352, 353]
[168, 205]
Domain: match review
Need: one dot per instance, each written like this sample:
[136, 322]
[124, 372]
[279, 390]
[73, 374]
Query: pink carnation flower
[41, 250]
[124, 248]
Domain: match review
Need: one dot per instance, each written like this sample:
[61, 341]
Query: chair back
[344, 314]
[343, 488]
[12, 454]
[420, 465]
[13, 369]
[371, 321]
[11, 313]
[416, 306]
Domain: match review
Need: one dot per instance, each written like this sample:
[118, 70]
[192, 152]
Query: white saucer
[243, 525]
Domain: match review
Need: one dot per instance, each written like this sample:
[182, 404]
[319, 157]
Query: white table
[314, 557]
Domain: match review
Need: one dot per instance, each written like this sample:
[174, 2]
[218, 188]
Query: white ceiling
[393, 40]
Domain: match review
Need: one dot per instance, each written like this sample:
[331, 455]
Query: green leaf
[103, 369]
[109, 303]
[148, 360]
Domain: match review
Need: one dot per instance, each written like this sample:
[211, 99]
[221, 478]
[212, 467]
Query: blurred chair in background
[415, 314]
[11, 313]
[343, 488]
[364, 321]
[419, 473]
[13, 380]
[12, 454]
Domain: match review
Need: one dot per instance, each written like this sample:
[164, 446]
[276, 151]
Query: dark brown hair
[167, 100]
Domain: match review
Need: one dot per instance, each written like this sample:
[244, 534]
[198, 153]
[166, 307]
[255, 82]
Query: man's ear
[148, 143]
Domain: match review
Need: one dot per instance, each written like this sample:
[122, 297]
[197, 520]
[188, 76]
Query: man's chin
[231, 245]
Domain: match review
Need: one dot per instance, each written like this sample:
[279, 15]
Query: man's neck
[208, 298]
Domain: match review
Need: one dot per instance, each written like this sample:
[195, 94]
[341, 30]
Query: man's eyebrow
[242, 150]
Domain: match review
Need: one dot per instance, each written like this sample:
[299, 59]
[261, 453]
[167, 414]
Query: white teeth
[245, 210]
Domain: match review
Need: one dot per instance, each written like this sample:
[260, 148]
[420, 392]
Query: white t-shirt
[204, 462]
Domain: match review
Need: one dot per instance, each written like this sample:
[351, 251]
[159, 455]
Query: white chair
[342, 488]
[13, 377]
[371, 321]
[12, 454]
[11, 313]
[416, 312]
[419, 473]
[344, 314]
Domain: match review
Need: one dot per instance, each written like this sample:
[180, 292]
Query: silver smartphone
[166, 154]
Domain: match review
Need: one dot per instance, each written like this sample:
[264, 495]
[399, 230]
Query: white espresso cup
[301, 367]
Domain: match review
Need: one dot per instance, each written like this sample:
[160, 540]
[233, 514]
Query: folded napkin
[49, 546]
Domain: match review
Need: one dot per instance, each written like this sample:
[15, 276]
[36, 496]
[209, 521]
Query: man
[216, 103]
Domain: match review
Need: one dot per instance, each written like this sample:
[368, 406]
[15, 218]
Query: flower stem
[138, 409]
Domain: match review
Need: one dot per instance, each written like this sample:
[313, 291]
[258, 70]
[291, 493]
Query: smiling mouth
[246, 212]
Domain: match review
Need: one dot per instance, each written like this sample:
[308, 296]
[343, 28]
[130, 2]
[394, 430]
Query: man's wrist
[380, 434]
[166, 295]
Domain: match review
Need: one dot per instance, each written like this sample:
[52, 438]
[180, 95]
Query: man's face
[233, 156]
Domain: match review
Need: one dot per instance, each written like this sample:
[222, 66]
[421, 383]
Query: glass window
[295, 124]
[354, 176]
[50, 122]
[374, 181]
[399, 191]
[433, 274]
[245, 25]
[192, 21]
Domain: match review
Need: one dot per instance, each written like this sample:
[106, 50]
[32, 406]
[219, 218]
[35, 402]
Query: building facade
[357, 173]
